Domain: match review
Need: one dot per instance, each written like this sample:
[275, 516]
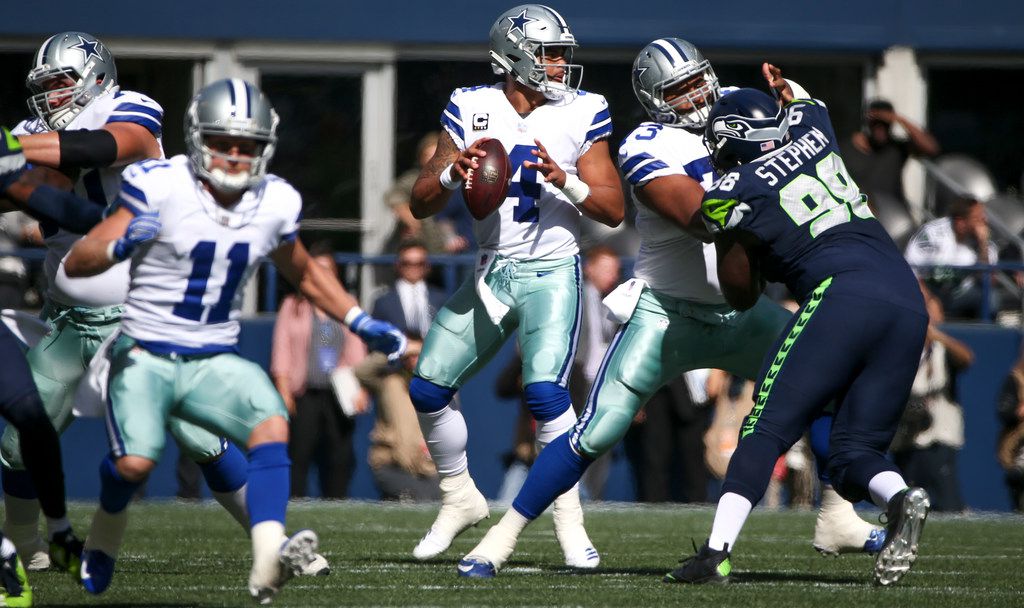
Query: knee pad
[547, 400]
[429, 397]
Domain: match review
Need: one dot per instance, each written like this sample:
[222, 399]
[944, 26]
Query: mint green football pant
[544, 298]
[665, 337]
[222, 393]
[60, 360]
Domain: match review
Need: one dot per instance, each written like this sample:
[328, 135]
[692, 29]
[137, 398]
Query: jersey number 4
[826, 200]
[525, 188]
[191, 307]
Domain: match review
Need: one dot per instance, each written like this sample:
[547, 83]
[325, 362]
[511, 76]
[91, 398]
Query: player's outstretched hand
[380, 336]
[143, 227]
[12, 159]
[465, 163]
[780, 88]
[553, 174]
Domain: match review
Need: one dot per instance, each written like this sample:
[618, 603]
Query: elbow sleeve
[86, 149]
[64, 209]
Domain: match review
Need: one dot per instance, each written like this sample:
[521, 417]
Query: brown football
[487, 185]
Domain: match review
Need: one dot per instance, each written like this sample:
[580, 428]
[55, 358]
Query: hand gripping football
[487, 185]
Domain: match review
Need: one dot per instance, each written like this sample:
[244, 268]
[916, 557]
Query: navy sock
[556, 469]
[18, 483]
[267, 495]
[821, 431]
[227, 472]
[115, 491]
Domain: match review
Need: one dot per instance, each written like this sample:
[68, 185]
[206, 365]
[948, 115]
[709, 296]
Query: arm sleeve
[64, 209]
[451, 120]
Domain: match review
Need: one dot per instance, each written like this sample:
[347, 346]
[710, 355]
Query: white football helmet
[519, 39]
[78, 57]
[665, 63]
[236, 108]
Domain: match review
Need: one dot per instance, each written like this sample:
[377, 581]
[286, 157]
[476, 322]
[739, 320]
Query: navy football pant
[21, 407]
[861, 351]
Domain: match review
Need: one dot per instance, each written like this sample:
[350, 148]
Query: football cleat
[905, 517]
[16, 590]
[38, 557]
[474, 566]
[97, 571]
[296, 555]
[317, 567]
[66, 553]
[572, 536]
[707, 566]
[461, 509]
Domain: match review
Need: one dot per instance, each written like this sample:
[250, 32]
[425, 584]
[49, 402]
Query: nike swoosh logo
[465, 567]
[543, 274]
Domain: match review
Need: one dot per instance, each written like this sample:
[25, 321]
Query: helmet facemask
[688, 110]
[78, 59]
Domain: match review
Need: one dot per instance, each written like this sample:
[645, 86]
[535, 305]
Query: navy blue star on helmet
[88, 48]
[639, 72]
[519, 23]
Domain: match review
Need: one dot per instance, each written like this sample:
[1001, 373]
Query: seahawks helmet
[519, 42]
[665, 63]
[235, 108]
[82, 59]
[743, 126]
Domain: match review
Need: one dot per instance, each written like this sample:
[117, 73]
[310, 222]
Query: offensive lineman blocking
[527, 276]
[199, 225]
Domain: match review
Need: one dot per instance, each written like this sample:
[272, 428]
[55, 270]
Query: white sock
[22, 522]
[549, 430]
[730, 516]
[234, 504]
[884, 486]
[107, 531]
[267, 537]
[56, 526]
[446, 434]
[6, 548]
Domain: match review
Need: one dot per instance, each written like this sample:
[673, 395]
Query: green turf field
[193, 555]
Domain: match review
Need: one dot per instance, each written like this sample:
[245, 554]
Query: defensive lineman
[199, 225]
[528, 276]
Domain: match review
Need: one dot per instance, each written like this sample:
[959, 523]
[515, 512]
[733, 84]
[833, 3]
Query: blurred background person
[1010, 446]
[309, 348]
[961, 238]
[875, 158]
[398, 456]
[411, 303]
[931, 431]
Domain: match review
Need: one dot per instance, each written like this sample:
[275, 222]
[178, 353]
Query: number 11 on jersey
[191, 307]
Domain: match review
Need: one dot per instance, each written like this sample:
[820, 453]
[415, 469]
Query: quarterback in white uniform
[86, 125]
[675, 317]
[196, 228]
[528, 277]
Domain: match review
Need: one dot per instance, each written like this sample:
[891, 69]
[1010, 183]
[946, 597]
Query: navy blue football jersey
[808, 213]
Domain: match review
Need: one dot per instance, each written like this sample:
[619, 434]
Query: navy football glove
[380, 335]
[143, 227]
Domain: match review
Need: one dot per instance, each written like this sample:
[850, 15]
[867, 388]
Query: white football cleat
[572, 536]
[840, 530]
[38, 556]
[462, 507]
[296, 554]
[317, 567]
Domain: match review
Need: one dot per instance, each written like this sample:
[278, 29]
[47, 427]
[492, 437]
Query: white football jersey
[671, 261]
[98, 186]
[185, 293]
[536, 221]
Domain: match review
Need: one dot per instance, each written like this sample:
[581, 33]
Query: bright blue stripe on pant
[563, 372]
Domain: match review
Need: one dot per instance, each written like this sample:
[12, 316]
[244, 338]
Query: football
[487, 185]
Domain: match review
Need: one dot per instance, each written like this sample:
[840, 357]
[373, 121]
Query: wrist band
[351, 315]
[575, 189]
[110, 251]
[446, 178]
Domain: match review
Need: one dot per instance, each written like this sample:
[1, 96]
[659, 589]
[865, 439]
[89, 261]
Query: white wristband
[110, 251]
[351, 315]
[575, 189]
[446, 179]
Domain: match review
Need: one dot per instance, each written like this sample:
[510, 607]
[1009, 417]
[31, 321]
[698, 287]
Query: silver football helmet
[235, 108]
[665, 63]
[520, 40]
[84, 65]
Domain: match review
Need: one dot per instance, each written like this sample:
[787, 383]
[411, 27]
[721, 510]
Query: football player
[787, 210]
[675, 317]
[198, 226]
[528, 275]
[86, 126]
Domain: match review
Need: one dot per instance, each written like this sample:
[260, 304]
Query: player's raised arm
[113, 145]
[596, 191]
[324, 290]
